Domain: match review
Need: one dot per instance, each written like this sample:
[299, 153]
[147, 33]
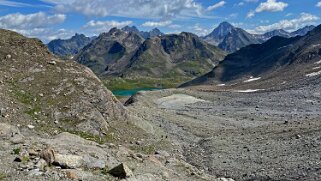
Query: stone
[225, 179]
[48, 155]
[52, 62]
[8, 56]
[41, 164]
[32, 152]
[7, 131]
[18, 159]
[31, 126]
[35, 172]
[162, 153]
[139, 142]
[93, 163]
[121, 171]
[69, 161]
[3, 112]
[17, 139]
[71, 175]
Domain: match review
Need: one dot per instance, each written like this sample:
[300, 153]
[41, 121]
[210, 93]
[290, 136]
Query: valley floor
[270, 135]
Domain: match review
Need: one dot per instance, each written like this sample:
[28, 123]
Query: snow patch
[221, 85]
[249, 90]
[313, 74]
[177, 101]
[316, 45]
[319, 62]
[252, 79]
[315, 68]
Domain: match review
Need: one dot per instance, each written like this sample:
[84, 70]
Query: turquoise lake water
[126, 93]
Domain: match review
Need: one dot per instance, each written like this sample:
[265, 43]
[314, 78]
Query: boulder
[93, 163]
[68, 161]
[7, 131]
[121, 171]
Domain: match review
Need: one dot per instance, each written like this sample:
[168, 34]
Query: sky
[53, 19]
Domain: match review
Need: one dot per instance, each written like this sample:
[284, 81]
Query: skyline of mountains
[292, 60]
[122, 54]
[226, 36]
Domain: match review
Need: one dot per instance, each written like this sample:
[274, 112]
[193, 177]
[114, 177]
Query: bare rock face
[7, 131]
[69, 161]
[52, 95]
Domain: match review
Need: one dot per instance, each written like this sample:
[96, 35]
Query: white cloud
[247, 1]
[30, 21]
[289, 14]
[96, 27]
[33, 25]
[270, 6]
[217, 5]
[289, 25]
[319, 4]
[175, 26]
[250, 14]
[13, 3]
[157, 24]
[200, 31]
[129, 8]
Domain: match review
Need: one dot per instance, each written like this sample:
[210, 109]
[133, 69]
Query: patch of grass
[148, 149]
[2, 176]
[33, 112]
[16, 151]
[24, 97]
[25, 159]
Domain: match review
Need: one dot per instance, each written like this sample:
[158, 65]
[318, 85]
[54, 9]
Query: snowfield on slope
[176, 101]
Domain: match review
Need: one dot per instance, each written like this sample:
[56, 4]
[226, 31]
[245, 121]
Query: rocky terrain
[254, 117]
[69, 47]
[276, 63]
[150, 34]
[126, 58]
[230, 38]
[59, 122]
[110, 52]
[263, 135]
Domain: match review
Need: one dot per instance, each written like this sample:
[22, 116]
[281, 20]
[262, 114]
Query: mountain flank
[161, 61]
[69, 47]
[287, 60]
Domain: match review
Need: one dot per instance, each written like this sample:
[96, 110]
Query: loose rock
[121, 171]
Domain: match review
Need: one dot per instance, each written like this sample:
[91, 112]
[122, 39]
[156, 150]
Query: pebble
[31, 126]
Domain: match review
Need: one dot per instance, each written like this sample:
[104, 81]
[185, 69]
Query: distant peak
[225, 23]
[155, 29]
[113, 30]
[130, 28]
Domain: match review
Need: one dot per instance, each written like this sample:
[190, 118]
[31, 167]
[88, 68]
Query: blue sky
[51, 19]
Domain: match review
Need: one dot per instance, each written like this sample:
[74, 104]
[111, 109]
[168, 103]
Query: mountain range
[133, 29]
[127, 54]
[70, 46]
[132, 54]
[279, 61]
[230, 38]
[225, 36]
